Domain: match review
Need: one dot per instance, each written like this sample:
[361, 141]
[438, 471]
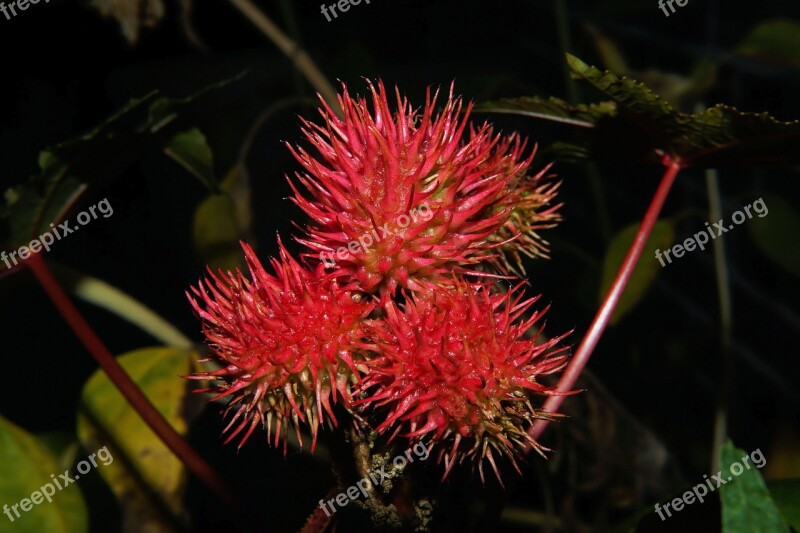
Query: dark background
[64, 70]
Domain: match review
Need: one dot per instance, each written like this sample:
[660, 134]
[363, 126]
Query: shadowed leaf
[639, 124]
[190, 149]
[786, 495]
[70, 169]
[746, 503]
[775, 235]
[145, 476]
[26, 465]
[552, 109]
[222, 220]
[773, 41]
[718, 136]
[661, 238]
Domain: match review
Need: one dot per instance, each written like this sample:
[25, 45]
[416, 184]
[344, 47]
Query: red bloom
[455, 367]
[407, 206]
[530, 200]
[399, 198]
[285, 343]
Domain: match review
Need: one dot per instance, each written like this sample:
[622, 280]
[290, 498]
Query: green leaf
[775, 235]
[552, 109]
[190, 149]
[774, 41]
[144, 467]
[70, 169]
[746, 503]
[63, 445]
[221, 221]
[661, 238]
[675, 89]
[609, 51]
[786, 495]
[112, 299]
[26, 464]
[564, 151]
[583, 121]
[101, 294]
[718, 136]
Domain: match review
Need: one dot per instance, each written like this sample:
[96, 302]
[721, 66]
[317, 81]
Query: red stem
[140, 403]
[587, 346]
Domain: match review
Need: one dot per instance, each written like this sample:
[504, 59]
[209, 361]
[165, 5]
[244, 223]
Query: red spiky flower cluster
[456, 366]
[392, 314]
[375, 169]
[286, 343]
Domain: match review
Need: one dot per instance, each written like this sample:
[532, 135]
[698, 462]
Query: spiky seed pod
[531, 199]
[286, 344]
[455, 368]
[399, 198]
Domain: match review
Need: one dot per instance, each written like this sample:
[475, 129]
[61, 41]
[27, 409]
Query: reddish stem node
[587, 346]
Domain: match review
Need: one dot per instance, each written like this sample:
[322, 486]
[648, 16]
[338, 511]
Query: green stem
[562, 27]
[726, 313]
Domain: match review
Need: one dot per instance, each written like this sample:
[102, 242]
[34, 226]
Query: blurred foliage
[746, 503]
[774, 41]
[647, 127]
[661, 238]
[786, 495]
[70, 169]
[26, 465]
[145, 475]
[222, 220]
[775, 235]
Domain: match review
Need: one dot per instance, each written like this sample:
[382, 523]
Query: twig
[263, 117]
[302, 61]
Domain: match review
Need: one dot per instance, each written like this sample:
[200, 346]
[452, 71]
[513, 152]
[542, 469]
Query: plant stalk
[302, 61]
[601, 319]
[726, 322]
[127, 387]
